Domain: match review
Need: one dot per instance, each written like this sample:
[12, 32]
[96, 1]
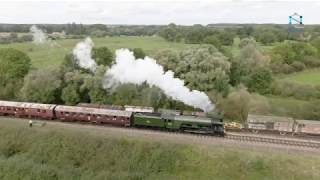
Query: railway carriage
[94, 115]
[27, 110]
[307, 127]
[270, 124]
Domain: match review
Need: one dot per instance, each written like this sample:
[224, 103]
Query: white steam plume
[39, 37]
[127, 69]
[82, 53]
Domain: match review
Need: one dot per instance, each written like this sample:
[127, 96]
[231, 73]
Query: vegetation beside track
[50, 152]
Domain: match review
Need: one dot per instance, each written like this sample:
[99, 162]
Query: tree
[288, 52]
[203, 68]
[195, 34]
[14, 63]
[260, 80]
[226, 38]
[69, 63]
[213, 40]
[171, 33]
[269, 34]
[246, 63]
[14, 66]
[75, 90]
[236, 106]
[70, 94]
[125, 94]
[42, 86]
[94, 84]
[102, 56]
[151, 96]
[168, 58]
[316, 44]
[138, 53]
[247, 41]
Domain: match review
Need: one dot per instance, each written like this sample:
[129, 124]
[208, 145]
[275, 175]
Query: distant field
[58, 151]
[311, 77]
[51, 55]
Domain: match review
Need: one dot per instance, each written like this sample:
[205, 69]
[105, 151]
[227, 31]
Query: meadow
[310, 77]
[60, 152]
[52, 54]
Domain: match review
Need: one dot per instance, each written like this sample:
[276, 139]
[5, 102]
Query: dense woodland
[232, 63]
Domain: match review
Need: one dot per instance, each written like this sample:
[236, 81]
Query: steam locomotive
[116, 117]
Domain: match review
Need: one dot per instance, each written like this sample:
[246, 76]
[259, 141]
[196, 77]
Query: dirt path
[160, 136]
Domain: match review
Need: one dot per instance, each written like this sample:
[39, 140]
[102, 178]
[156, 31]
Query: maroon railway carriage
[94, 115]
[27, 110]
[114, 107]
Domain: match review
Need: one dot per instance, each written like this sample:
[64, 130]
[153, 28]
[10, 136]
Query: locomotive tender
[203, 125]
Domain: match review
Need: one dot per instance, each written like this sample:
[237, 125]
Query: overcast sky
[158, 11]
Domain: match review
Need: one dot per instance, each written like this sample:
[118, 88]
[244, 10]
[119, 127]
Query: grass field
[52, 54]
[311, 77]
[274, 105]
[282, 106]
[56, 152]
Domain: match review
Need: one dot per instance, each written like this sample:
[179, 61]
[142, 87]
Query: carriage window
[114, 118]
[43, 111]
[67, 113]
[61, 113]
[98, 117]
[38, 110]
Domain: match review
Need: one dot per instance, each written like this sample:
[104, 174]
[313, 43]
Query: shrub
[298, 66]
[260, 81]
[236, 106]
[298, 91]
[312, 61]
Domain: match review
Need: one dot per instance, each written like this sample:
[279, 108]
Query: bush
[260, 81]
[213, 40]
[139, 53]
[312, 61]
[298, 66]
[247, 41]
[298, 91]
[236, 106]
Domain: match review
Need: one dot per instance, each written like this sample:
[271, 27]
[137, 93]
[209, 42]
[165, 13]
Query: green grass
[310, 77]
[51, 152]
[278, 106]
[49, 55]
[285, 106]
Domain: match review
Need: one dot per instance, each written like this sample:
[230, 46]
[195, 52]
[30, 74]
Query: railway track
[270, 140]
[276, 134]
[304, 143]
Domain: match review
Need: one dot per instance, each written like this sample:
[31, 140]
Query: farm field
[55, 151]
[310, 77]
[52, 54]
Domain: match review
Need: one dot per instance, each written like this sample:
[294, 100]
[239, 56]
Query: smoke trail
[127, 69]
[82, 52]
[39, 37]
